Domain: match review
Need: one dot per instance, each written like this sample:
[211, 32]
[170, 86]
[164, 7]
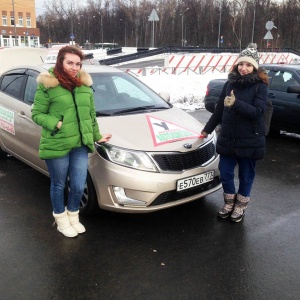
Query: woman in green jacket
[64, 107]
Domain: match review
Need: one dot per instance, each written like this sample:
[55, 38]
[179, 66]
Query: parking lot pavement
[181, 253]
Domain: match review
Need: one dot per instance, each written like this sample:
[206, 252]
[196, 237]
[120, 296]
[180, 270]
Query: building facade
[18, 24]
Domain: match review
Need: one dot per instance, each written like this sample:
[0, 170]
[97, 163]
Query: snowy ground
[186, 91]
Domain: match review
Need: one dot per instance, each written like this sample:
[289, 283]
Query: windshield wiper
[139, 108]
[101, 114]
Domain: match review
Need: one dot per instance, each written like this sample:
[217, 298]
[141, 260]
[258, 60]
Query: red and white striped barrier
[178, 64]
[219, 62]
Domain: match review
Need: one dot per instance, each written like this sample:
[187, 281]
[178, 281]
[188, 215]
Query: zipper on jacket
[76, 108]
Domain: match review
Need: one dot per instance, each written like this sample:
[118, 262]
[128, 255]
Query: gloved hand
[229, 100]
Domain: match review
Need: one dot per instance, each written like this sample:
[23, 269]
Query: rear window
[11, 84]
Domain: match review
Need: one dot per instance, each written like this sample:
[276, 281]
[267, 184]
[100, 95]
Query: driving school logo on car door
[7, 120]
[164, 132]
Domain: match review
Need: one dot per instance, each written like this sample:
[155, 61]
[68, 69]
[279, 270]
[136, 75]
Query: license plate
[193, 181]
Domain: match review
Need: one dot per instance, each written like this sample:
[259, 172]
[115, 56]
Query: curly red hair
[63, 77]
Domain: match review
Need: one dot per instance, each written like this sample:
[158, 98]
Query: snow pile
[186, 91]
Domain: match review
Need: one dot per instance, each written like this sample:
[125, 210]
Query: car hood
[166, 130]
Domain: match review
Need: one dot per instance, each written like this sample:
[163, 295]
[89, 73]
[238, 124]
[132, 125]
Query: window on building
[28, 22]
[12, 21]
[20, 21]
[4, 20]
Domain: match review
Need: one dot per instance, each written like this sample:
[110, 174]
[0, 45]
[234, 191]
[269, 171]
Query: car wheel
[3, 154]
[88, 204]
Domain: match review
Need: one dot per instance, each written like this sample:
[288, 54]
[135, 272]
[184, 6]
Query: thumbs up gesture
[229, 100]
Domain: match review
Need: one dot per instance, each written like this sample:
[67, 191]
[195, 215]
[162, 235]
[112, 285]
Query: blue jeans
[246, 174]
[73, 164]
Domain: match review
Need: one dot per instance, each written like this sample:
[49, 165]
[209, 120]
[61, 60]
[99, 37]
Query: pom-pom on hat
[250, 55]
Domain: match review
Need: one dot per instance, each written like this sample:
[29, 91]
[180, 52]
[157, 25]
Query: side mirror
[293, 89]
[165, 96]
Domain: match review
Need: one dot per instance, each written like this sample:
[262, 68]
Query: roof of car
[96, 67]
[282, 66]
[12, 57]
[90, 68]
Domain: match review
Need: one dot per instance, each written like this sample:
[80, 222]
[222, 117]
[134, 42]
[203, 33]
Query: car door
[11, 89]
[21, 135]
[286, 105]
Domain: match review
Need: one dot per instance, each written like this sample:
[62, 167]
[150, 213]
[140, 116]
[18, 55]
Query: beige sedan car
[155, 160]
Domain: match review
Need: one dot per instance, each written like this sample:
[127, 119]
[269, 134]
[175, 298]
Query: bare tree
[198, 22]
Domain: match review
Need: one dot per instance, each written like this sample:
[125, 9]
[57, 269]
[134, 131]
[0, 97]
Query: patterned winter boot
[239, 208]
[229, 200]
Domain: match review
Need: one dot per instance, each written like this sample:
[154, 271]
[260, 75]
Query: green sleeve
[96, 133]
[40, 109]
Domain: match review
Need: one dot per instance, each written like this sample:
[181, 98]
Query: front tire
[3, 154]
[89, 203]
[274, 132]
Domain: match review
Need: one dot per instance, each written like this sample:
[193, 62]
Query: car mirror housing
[165, 96]
[293, 89]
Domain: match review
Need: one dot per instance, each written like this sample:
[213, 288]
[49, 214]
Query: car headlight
[127, 158]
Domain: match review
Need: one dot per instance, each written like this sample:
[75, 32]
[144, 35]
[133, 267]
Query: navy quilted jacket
[242, 126]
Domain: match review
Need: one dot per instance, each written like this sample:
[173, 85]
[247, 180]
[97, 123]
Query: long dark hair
[63, 77]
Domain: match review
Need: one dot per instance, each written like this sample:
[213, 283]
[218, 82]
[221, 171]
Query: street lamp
[124, 29]
[182, 39]
[219, 32]
[15, 28]
[83, 36]
[72, 28]
[48, 25]
[254, 4]
[94, 18]
[88, 28]
[101, 24]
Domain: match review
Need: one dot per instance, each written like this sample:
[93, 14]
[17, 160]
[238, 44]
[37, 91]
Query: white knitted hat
[250, 55]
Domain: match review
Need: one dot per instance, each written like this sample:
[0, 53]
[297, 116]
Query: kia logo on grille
[188, 146]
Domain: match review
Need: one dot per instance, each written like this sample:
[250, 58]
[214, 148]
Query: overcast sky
[39, 7]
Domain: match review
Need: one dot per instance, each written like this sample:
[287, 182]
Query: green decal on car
[7, 120]
[165, 132]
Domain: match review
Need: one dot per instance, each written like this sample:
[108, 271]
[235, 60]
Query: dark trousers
[246, 174]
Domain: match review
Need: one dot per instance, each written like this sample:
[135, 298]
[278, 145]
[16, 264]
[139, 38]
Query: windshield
[116, 93]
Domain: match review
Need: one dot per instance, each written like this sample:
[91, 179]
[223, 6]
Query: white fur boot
[74, 221]
[63, 224]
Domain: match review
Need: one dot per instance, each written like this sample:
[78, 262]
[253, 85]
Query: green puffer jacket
[53, 103]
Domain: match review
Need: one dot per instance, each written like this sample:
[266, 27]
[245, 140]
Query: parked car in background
[284, 92]
[154, 160]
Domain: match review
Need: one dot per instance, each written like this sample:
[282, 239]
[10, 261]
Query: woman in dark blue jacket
[241, 142]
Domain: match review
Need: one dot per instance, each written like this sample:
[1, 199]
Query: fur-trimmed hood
[48, 79]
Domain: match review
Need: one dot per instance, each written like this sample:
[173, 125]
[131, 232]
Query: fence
[187, 64]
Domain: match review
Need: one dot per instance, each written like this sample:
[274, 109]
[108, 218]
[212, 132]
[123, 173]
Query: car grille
[171, 196]
[184, 161]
